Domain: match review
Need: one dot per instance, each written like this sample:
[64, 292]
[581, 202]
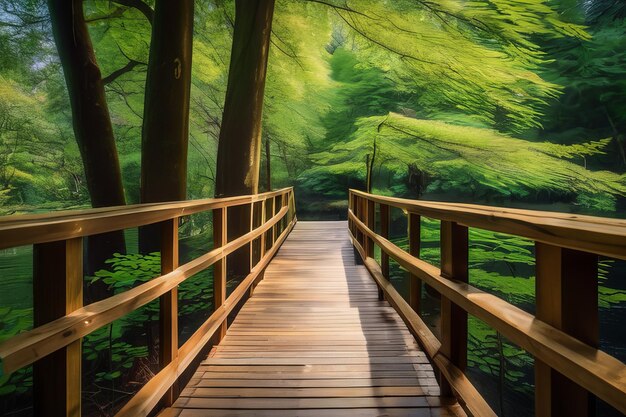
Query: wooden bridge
[320, 334]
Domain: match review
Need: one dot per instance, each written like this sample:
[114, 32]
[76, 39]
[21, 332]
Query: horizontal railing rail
[54, 345]
[563, 336]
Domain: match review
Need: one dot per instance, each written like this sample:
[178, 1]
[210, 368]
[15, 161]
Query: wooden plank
[337, 392]
[370, 211]
[168, 304]
[220, 239]
[415, 285]
[61, 225]
[325, 343]
[207, 382]
[599, 235]
[384, 232]
[322, 412]
[454, 265]
[57, 291]
[299, 403]
[566, 298]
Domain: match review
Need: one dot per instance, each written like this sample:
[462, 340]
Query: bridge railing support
[53, 346]
[570, 370]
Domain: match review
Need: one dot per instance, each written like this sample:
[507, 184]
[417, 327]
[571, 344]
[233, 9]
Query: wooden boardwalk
[315, 341]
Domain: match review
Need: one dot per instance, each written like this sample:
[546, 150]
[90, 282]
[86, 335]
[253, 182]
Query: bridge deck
[315, 341]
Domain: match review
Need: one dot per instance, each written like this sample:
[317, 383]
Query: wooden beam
[415, 284]
[41, 228]
[384, 256]
[600, 235]
[168, 311]
[220, 238]
[454, 265]
[566, 298]
[58, 291]
[370, 220]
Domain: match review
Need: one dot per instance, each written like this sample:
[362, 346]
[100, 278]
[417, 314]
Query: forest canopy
[482, 101]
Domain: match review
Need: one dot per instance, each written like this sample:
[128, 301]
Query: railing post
[454, 265]
[415, 284]
[275, 228]
[168, 311]
[58, 291]
[263, 220]
[384, 232]
[566, 291]
[370, 222]
[220, 238]
[251, 244]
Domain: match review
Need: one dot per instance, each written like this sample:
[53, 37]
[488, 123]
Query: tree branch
[139, 5]
[117, 73]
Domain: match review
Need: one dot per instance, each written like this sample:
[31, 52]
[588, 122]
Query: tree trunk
[268, 166]
[369, 164]
[166, 111]
[92, 124]
[239, 150]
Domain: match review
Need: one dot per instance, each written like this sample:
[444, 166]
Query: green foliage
[476, 162]
[129, 270]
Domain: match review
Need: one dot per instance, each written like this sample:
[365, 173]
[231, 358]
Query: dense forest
[502, 102]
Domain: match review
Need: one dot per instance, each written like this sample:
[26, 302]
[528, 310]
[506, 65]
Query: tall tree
[91, 121]
[166, 110]
[239, 149]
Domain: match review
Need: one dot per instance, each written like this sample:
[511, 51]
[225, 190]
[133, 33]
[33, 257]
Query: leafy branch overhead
[474, 161]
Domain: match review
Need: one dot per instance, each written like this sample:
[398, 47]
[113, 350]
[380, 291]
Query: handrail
[62, 320]
[18, 230]
[602, 236]
[565, 345]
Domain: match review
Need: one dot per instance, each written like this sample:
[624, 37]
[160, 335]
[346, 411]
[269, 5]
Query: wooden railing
[53, 346]
[563, 336]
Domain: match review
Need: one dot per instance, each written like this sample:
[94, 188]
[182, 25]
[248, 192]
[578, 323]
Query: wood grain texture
[168, 303]
[599, 235]
[314, 340]
[32, 345]
[468, 396]
[146, 399]
[593, 369]
[57, 291]
[39, 228]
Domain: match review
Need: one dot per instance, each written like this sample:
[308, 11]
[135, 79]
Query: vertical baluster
[370, 221]
[415, 284]
[350, 208]
[454, 265]
[566, 285]
[263, 220]
[251, 244]
[269, 213]
[355, 211]
[220, 238]
[292, 196]
[58, 291]
[168, 311]
[277, 225]
[384, 232]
